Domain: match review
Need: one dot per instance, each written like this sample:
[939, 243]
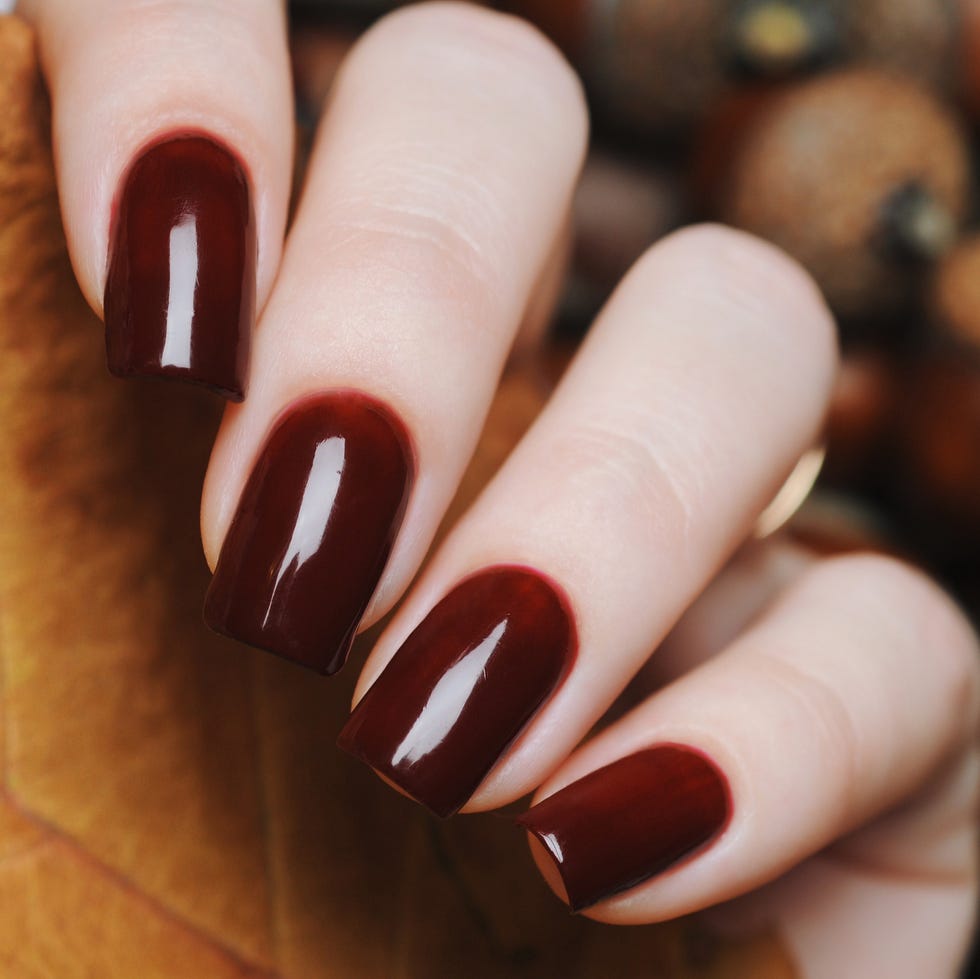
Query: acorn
[919, 39]
[928, 41]
[955, 294]
[656, 67]
[862, 176]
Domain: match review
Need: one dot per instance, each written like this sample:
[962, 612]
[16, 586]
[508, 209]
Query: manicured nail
[464, 685]
[180, 292]
[313, 531]
[625, 823]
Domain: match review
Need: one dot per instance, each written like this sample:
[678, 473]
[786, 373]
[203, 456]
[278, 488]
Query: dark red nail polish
[622, 824]
[464, 685]
[180, 291]
[313, 531]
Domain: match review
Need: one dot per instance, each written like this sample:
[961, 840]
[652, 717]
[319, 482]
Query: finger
[896, 898]
[173, 138]
[841, 701]
[443, 171]
[699, 386]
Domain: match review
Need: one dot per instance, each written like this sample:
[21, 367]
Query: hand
[813, 754]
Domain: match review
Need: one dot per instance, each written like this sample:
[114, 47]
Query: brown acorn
[933, 42]
[658, 66]
[919, 39]
[955, 294]
[662, 65]
[860, 175]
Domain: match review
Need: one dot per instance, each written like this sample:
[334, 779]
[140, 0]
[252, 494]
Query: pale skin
[841, 697]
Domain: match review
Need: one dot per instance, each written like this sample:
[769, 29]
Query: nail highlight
[464, 685]
[180, 291]
[313, 531]
[623, 824]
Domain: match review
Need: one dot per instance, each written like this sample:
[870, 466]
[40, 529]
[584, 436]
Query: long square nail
[464, 685]
[625, 823]
[180, 291]
[313, 530]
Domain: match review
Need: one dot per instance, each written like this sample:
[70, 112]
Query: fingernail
[464, 685]
[625, 823]
[180, 291]
[313, 531]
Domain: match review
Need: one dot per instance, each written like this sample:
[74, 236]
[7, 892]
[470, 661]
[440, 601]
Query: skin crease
[436, 197]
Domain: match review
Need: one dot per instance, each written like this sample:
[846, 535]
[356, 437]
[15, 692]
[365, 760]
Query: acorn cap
[858, 174]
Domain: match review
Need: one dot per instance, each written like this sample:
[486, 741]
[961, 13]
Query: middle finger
[443, 170]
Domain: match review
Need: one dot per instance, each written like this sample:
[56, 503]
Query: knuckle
[820, 709]
[619, 476]
[420, 255]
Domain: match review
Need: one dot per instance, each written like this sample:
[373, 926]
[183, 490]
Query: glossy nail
[313, 531]
[625, 823]
[464, 685]
[180, 291]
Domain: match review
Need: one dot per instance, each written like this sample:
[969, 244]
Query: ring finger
[703, 381]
